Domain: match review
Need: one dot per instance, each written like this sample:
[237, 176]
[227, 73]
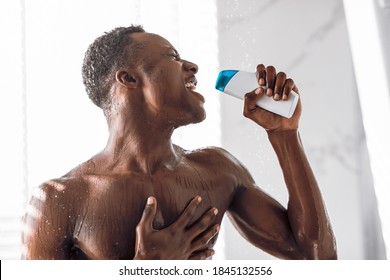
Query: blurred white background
[340, 67]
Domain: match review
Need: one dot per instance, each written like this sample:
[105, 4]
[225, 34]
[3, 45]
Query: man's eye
[176, 57]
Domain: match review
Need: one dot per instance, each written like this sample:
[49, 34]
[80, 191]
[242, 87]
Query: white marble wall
[308, 40]
[383, 16]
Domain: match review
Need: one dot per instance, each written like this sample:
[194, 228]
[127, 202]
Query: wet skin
[99, 213]
[93, 211]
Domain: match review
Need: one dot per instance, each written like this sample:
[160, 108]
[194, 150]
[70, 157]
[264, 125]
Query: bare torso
[103, 208]
[93, 211]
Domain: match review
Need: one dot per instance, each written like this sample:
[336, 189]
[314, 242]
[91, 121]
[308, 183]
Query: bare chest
[105, 228]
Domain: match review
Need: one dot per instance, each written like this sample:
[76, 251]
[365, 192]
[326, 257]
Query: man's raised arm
[303, 230]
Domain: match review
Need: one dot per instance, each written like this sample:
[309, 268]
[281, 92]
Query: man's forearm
[306, 210]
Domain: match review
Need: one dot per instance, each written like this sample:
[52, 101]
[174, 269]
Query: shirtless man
[146, 91]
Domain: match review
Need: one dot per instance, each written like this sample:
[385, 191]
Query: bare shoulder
[76, 183]
[64, 185]
[213, 155]
[58, 195]
[220, 159]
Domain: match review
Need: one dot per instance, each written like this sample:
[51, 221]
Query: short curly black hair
[104, 56]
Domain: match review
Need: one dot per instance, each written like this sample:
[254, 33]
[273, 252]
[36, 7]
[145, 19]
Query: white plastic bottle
[237, 83]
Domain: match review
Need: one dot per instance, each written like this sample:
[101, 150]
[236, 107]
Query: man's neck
[139, 146]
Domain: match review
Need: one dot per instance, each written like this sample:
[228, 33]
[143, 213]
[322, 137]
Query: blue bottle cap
[223, 79]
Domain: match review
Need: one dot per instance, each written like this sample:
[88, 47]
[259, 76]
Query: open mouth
[190, 85]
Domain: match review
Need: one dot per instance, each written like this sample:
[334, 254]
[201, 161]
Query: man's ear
[126, 79]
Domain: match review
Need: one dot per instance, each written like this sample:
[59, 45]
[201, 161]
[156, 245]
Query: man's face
[169, 84]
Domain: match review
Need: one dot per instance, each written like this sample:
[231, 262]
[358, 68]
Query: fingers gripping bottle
[237, 83]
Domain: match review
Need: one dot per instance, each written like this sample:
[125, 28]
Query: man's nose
[189, 66]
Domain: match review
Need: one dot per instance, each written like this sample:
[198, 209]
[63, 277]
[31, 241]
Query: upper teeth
[190, 85]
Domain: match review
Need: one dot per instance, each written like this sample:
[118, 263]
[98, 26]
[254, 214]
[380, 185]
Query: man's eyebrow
[172, 49]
